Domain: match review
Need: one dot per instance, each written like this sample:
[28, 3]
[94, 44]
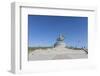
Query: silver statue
[60, 41]
[60, 38]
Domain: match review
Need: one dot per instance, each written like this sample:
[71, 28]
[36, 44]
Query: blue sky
[43, 30]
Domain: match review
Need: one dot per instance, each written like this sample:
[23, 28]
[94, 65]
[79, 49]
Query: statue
[60, 41]
[60, 38]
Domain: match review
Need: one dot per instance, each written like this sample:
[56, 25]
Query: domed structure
[60, 42]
